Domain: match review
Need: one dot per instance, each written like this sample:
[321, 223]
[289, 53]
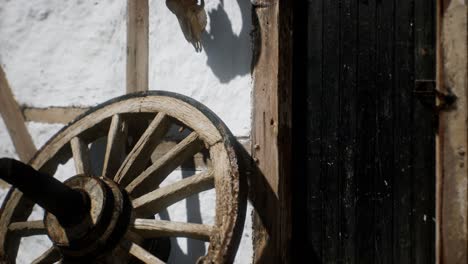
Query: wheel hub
[106, 218]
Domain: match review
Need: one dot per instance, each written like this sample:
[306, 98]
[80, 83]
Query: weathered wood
[306, 154]
[14, 121]
[52, 115]
[199, 161]
[163, 197]
[366, 161]
[140, 253]
[208, 129]
[116, 141]
[424, 111]
[368, 139]
[384, 148]
[224, 169]
[271, 131]
[348, 132]
[330, 127]
[453, 135]
[161, 168]
[28, 228]
[404, 84]
[138, 158]
[81, 157]
[52, 255]
[150, 228]
[439, 161]
[137, 45]
[179, 109]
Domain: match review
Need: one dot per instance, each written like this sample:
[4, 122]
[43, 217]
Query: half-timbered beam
[452, 157]
[14, 121]
[271, 131]
[137, 45]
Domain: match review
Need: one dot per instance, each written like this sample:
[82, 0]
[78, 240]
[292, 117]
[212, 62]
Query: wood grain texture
[116, 142]
[330, 130]
[222, 151]
[384, 140]
[179, 110]
[363, 141]
[453, 136]
[14, 121]
[81, 157]
[137, 45]
[151, 178]
[402, 181]
[150, 228]
[140, 253]
[271, 131]
[424, 112]
[28, 228]
[163, 197]
[52, 115]
[348, 131]
[136, 161]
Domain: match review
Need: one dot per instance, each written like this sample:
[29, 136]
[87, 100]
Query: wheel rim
[140, 177]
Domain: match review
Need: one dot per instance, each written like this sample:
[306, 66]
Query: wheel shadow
[195, 248]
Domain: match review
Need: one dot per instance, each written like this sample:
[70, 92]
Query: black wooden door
[364, 150]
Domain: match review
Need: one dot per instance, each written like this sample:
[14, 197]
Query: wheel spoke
[52, 255]
[139, 252]
[115, 146]
[151, 228]
[161, 198]
[28, 228]
[161, 168]
[81, 156]
[137, 159]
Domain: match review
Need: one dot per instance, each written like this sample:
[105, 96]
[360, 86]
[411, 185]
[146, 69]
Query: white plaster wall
[64, 53]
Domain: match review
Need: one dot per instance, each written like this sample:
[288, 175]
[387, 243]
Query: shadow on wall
[195, 248]
[229, 54]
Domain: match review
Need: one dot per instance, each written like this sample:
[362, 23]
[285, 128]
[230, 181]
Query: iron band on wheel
[117, 202]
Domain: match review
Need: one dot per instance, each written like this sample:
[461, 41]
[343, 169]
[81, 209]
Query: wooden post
[271, 131]
[452, 172]
[14, 121]
[137, 45]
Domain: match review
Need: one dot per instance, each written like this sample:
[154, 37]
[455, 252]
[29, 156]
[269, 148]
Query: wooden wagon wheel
[119, 204]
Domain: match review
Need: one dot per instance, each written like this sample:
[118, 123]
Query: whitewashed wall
[72, 53]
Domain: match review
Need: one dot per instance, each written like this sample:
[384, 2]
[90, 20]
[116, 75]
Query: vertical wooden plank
[348, 128]
[137, 45]
[424, 140]
[330, 163]
[307, 202]
[314, 104]
[439, 142]
[366, 140]
[384, 164]
[271, 131]
[404, 83]
[453, 135]
[14, 121]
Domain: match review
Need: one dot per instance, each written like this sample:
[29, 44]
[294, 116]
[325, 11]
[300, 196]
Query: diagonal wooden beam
[14, 121]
